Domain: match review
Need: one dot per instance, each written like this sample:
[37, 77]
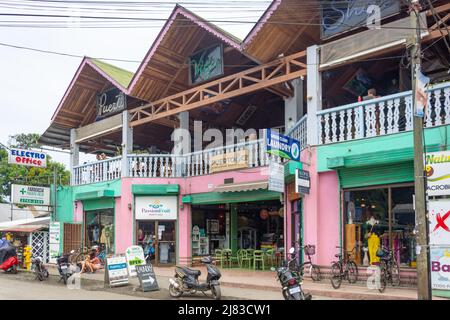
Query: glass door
[146, 238]
[166, 242]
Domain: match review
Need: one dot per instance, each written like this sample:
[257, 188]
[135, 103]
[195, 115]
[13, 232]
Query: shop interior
[157, 239]
[371, 223]
[260, 226]
[99, 229]
[19, 240]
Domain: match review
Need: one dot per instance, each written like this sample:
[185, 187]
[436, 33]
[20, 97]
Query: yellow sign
[229, 161]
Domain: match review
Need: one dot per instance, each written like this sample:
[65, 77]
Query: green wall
[383, 148]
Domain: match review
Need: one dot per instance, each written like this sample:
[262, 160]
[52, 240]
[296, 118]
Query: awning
[246, 186]
[26, 229]
[25, 225]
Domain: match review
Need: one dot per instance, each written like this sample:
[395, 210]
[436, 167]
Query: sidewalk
[249, 284]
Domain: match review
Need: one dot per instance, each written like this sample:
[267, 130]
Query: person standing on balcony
[371, 94]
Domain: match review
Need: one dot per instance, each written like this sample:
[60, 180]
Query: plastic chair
[258, 256]
[227, 258]
[239, 257]
[218, 256]
[246, 258]
[270, 257]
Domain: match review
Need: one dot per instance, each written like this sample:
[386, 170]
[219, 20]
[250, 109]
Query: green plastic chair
[246, 259]
[258, 256]
[239, 257]
[270, 257]
[218, 256]
[227, 257]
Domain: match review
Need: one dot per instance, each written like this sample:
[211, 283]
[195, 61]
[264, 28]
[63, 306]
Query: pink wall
[320, 210]
[78, 211]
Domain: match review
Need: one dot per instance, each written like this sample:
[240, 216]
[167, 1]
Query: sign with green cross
[30, 195]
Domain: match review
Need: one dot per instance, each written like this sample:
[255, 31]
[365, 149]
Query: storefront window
[99, 229]
[379, 217]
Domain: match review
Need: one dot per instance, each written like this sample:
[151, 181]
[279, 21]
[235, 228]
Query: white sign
[38, 196]
[135, 257]
[156, 208]
[302, 181]
[27, 158]
[54, 241]
[117, 270]
[421, 93]
[276, 176]
[439, 216]
[437, 166]
[440, 268]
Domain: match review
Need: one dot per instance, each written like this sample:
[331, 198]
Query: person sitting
[371, 94]
[91, 263]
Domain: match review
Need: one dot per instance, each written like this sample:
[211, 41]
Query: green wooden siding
[376, 175]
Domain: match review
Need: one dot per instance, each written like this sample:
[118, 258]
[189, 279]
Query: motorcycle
[65, 269]
[40, 270]
[291, 288]
[186, 280]
[8, 259]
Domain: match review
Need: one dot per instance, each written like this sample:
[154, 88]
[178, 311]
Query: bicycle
[314, 270]
[79, 255]
[343, 269]
[389, 269]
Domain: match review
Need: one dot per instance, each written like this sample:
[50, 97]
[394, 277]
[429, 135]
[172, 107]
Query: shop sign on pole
[116, 273]
[147, 277]
[31, 195]
[437, 167]
[302, 181]
[276, 176]
[27, 158]
[55, 240]
[282, 146]
[135, 257]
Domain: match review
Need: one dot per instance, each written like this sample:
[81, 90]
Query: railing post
[127, 143]
[74, 154]
[314, 94]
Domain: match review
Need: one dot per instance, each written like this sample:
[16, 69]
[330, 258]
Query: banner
[440, 268]
[437, 167]
[421, 93]
[31, 195]
[276, 176]
[282, 146]
[27, 158]
[55, 240]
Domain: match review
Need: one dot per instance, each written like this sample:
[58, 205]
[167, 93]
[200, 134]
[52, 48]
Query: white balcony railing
[298, 131]
[381, 116]
[103, 170]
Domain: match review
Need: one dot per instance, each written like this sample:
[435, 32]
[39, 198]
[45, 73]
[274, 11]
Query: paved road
[16, 289]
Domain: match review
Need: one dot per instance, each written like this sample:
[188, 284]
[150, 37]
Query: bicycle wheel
[395, 274]
[352, 272]
[336, 275]
[383, 280]
[315, 273]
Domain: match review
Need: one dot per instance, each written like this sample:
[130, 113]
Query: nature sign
[135, 257]
[30, 195]
[206, 64]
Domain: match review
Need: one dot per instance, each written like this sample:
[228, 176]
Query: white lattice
[40, 245]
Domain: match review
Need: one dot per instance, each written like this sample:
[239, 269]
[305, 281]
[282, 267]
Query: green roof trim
[92, 195]
[155, 189]
[121, 76]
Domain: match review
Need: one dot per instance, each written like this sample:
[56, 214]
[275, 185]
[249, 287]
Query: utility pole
[423, 252]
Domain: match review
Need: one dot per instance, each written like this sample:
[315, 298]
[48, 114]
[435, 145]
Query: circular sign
[295, 151]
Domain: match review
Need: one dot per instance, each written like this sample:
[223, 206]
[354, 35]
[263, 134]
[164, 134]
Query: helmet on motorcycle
[292, 250]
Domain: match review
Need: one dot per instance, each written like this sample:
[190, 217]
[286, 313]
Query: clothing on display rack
[374, 245]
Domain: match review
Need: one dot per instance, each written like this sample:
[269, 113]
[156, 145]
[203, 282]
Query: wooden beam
[440, 22]
[256, 78]
[443, 8]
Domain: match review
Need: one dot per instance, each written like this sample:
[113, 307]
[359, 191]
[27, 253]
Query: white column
[182, 139]
[313, 93]
[293, 107]
[127, 143]
[74, 152]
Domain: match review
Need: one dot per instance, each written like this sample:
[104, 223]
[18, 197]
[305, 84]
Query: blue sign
[282, 146]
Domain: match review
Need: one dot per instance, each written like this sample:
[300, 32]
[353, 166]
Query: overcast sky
[33, 83]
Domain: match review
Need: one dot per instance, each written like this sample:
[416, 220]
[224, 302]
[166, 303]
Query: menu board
[116, 270]
[147, 277]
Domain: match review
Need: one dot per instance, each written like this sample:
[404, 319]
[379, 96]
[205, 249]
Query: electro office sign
[27, 158]
[282, 146]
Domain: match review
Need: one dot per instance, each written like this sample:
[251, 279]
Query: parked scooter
[186, 280]
[291, 287]
[8, 259]
[40, 270]
[65, 269]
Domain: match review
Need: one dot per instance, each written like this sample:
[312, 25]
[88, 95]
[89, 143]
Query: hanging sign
[437, 167]
[421, 93]
[302, 181]
[206, 64]
[229, 161]
[27, 158]
[276, 176]
[282, 146]
[135, 257]
[110, 102]
[30, 195]
[156, 208]
[117, 271]
[147, 277]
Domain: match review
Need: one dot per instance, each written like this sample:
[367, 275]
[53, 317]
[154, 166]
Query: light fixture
[373, 206]
[129, 206]
[363, 205]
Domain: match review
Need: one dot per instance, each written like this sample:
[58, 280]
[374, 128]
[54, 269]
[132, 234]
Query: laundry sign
[282, 146]
[437, 167]
[156, 208]
[31, 195]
